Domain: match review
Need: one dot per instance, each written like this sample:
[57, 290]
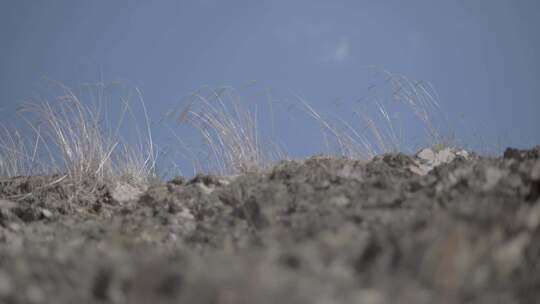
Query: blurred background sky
[480, 55]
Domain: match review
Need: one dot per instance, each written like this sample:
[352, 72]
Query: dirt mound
[322, 230]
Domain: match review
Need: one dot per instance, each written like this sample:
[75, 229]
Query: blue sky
[480, 55]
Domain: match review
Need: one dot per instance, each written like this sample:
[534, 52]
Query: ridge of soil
[321, 230]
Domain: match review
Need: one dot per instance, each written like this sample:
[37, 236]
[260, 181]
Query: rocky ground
[438, 227]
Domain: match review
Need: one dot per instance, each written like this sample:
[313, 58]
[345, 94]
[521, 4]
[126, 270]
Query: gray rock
[46, 213]
[427, 159]
[125, 192]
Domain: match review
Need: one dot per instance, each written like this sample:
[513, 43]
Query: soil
[321, 230]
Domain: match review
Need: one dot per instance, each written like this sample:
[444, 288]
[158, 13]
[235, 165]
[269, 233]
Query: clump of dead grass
[77, 139]
[229, 130]
[16, 157]
[377, 128]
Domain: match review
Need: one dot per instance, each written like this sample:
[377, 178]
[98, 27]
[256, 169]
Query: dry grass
[77, 140]
[379, 131]
[16, 158]
[233, 144]
[346, 139]
[422, 99]
[230, 132]
[75, 137]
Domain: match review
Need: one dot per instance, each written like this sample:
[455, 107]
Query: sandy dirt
[321, 230]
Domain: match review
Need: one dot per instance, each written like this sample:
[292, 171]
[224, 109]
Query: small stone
[463, 154]
[171, 237]
[46, 213]
[223, 182]
[427, 155]
[124, 192]
[340, 201]
[445, 155]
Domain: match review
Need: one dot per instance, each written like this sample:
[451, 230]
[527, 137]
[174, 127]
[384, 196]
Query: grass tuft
[79, 141]
[230, 132]
[73, 135]
[16, 158]
[377, 128]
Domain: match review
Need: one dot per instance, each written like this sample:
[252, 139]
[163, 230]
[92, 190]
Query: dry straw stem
[81, 144]
[16, 158]
[136, 162]
[229, 131]
[422, 99]
[372, 138]
[350, 143]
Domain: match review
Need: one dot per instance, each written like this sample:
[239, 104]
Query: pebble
[124, 192]
[46, 213]
[426, 154]
[340, 201]
[427, 159]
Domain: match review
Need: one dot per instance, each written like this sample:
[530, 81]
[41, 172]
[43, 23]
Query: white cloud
[319, 42]
[338, 52]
